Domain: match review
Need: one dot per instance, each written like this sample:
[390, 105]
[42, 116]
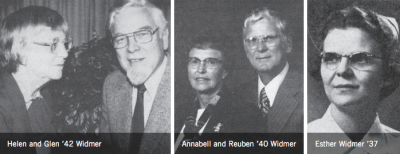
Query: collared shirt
[35, 95]
[151, 90]
[272, 87]
[28, 102]
[323, 128]
[199, 113]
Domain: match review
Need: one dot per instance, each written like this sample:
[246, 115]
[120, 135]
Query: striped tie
[264, 103]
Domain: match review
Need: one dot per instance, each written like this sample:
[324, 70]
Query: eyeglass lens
[209, 62]
[359, 61]
[143, 36]
[269, 40]
[67, 43]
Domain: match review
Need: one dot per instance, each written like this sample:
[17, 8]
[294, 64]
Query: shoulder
[246, 87]
[8, 88]
[230, 101]
[166, 78]
[115, 78]
[244, 116]
[387, 129]
[316, 126]
[251, 83]
[295, 77]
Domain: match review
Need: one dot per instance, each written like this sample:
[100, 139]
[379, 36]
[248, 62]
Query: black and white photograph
[89, 76]
[238, 72]
[353, 77]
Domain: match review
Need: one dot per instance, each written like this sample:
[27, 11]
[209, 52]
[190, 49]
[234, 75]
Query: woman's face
[205, 70]
[40, 59]
[355, 82]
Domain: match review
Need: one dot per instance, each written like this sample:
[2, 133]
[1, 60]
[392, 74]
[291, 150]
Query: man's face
[354, 82]
[139, 60]
[268, 54]
[203, 78]
[38, 57]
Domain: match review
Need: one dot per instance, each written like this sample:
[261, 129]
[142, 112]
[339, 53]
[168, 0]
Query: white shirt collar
[154, 80]
[272, 87]
[151, 90]
[377, 132]
[332, 127]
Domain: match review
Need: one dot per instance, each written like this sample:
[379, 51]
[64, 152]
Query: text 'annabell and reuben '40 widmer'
[236, 144]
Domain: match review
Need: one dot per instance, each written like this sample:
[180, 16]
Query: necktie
[137, 126]
[264, 102]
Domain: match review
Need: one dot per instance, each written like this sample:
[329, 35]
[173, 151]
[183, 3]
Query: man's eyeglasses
[209, 62]
[143, 36]
[269, 40]
[53, 46]
[360, 60]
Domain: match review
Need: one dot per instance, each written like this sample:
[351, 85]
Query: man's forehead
[263, 26]
[133, 19]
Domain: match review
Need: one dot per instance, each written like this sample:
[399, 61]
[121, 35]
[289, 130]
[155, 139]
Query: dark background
[194, 16]
[318, 10]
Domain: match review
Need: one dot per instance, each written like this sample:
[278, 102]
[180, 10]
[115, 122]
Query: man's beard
[138, 75]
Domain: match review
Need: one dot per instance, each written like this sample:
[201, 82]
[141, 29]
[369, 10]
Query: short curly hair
[19, 25]
[214, 39]
[382, 30]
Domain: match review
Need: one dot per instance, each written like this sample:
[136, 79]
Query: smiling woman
[214, 109]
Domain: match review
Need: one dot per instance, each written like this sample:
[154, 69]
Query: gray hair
[21, 24]
[156, 13]
[265, 13]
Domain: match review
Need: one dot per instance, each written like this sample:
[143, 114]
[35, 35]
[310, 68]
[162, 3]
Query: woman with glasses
[33, 49]
[214, 109]
[356, 70]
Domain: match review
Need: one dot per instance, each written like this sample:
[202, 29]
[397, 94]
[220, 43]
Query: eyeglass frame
[349, 57]
[127, 35]
[263, 38]
[206, 62]
[67, 43]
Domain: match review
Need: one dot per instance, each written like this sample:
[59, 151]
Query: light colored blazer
[117, 114]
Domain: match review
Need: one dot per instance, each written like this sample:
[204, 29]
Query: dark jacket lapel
[10, 89]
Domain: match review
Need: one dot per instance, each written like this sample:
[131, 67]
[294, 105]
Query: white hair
[156, 13]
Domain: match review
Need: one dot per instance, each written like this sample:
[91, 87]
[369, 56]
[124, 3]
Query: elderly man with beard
[136, 99]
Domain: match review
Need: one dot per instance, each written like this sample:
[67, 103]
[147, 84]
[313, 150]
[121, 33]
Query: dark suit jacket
[230, 111]
[234, 115]
[286, 114]
[15, 119]
[117, 114]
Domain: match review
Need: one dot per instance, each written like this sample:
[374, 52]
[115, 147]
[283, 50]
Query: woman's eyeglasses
[209, 62]
[359, 60]
[67, 43]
